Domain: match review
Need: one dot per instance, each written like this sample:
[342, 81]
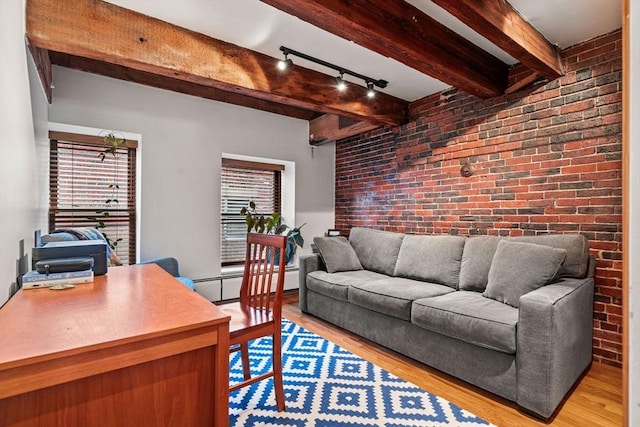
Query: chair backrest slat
[258, 287]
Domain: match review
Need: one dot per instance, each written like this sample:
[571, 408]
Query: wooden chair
[259, 311]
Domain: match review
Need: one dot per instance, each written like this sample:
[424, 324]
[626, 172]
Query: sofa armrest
[554, 347]
[307, 263]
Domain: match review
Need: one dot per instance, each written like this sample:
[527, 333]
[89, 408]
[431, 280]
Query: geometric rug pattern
[327, 386]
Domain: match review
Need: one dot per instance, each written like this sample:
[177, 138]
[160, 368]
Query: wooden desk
[133, 348]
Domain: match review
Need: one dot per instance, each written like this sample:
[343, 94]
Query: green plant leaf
[272, 224]
[296, 235]
[262, 222]
[297, 238]
[281, 229]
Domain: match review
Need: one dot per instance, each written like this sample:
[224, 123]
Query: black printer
[95, 249]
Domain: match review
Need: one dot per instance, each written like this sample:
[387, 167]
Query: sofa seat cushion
[393, 296]
[336, 285]
[470, 317]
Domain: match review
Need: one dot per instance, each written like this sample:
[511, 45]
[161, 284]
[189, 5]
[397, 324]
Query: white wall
[183, 138]
[22, 151]
[633, 234]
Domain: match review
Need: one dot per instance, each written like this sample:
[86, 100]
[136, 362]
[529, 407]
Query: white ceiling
[257, 26]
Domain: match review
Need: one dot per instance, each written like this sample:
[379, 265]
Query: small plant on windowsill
[272, 224]
[112, 143]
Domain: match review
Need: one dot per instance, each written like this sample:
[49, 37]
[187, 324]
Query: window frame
[129, 212]
[277, 170]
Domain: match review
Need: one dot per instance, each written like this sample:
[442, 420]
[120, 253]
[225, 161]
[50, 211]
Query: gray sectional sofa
[511, 315]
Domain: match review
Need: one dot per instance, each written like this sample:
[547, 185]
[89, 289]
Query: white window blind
[241, 183]
[87, 192]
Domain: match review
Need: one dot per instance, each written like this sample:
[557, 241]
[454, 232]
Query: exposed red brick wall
[546, 160]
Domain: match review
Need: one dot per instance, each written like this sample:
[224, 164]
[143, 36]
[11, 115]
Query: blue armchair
[170, 265]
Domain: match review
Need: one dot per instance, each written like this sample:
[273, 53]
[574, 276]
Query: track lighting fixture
[371, 92]
[285, 63]
[341, 84]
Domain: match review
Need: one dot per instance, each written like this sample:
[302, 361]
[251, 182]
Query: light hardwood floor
[595, 401]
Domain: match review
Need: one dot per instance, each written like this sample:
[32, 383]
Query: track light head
[342, 85]
[285, 63]
[371, 92]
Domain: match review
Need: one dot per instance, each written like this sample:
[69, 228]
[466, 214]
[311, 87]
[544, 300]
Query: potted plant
[112, 142]
[272, 224]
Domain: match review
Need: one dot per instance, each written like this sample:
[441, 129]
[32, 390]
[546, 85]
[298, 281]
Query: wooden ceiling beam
[501, 24]
[42, 63]
[330, 127]
[403, 32]
[109, 34]
[182, 86]
[526, 80]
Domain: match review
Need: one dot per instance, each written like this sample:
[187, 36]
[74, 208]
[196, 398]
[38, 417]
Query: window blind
[81, 185]
[241, 183]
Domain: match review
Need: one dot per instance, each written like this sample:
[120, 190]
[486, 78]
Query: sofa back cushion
[377, 250]
[431, 258]
[337, 254]
[576, 263]
[518, 268]
[478, 254]
[476, 261]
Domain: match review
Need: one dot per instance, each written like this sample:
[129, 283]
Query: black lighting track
[377, 82]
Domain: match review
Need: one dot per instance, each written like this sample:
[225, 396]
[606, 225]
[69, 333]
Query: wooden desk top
[135, 306]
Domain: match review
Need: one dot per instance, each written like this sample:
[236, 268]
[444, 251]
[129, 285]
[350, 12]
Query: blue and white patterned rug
[327, 386]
